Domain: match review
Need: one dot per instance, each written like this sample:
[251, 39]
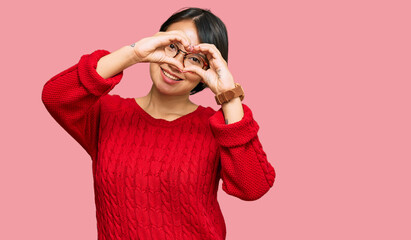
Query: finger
[186, 40]
[171, 38]
[209, 49]
[197, 70]
[165, 38]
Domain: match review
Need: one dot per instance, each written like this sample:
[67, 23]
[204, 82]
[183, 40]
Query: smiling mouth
[171, 76]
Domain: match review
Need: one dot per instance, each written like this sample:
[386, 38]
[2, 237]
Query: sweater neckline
[164, 122]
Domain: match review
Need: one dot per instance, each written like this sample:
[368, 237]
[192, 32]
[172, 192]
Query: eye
[171, 50]
[172, 46]
[195, 59]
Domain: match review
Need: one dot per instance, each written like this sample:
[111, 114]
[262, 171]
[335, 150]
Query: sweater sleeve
[72, 97]
[244, 168]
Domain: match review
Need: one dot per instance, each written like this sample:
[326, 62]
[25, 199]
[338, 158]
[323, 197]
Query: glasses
[190, 59]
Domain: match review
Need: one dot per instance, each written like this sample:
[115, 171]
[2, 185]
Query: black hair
[210, 29]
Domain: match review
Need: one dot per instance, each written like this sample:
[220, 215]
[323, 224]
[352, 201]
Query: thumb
[174, 62]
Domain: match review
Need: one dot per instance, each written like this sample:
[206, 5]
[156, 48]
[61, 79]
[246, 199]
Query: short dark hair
[210, 29]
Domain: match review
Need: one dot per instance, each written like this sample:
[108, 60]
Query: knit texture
[154, 178]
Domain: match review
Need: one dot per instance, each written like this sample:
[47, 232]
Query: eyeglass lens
[190, 59]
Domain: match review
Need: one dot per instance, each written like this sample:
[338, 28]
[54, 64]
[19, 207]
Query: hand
[151, 49]
[218, 78]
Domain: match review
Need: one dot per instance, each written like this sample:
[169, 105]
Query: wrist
[226, 88]
[233, 110]
[232, 102]
[229, 95]
[133, 56]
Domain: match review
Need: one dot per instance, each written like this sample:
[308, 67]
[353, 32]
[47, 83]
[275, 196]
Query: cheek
[153, 67]
[154, 70]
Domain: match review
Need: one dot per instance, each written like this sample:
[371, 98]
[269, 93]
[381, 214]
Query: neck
[161, 104]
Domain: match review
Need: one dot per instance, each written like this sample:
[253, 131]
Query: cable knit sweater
[154, 178]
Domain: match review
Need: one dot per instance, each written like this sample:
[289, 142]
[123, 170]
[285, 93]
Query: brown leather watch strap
[230, 94]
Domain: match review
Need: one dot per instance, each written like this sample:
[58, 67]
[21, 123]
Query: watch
[230, 94]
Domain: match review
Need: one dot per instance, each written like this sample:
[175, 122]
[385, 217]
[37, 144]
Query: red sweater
[154, 178]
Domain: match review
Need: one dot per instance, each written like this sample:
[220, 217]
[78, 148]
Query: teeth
[170, 76]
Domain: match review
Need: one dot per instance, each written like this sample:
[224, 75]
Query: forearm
[116, 62]
[245, 170]
[72, 98]
[233, 110]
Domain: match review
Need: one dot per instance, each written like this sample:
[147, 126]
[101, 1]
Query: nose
[180, 56]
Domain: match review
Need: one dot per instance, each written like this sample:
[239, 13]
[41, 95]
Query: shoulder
[203, 116]
[114, 102]
[208, 112]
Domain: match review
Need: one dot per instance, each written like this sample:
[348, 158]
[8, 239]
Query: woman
[157, 160]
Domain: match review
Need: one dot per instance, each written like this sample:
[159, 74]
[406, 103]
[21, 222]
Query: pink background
[328, 83]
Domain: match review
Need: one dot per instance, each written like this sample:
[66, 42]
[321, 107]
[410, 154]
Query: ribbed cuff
[234, 134]
[89, 77]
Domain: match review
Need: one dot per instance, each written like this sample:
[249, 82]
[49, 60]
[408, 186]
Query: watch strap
[230, 94]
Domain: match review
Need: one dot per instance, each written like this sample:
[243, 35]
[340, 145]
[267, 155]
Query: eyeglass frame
[205, 60]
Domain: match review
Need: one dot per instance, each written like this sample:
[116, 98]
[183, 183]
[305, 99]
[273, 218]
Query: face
[160, 73]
